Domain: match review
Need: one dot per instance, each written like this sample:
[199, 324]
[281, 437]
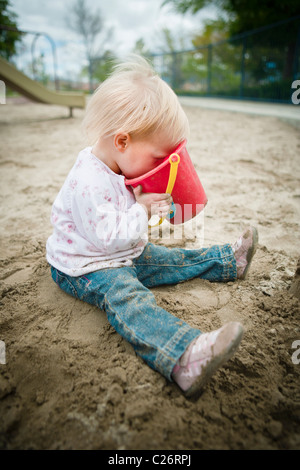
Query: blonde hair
[135, 100]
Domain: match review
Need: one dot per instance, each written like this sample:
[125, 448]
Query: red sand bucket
[176, 175]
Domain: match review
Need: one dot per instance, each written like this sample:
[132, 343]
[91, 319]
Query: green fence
[258, 65]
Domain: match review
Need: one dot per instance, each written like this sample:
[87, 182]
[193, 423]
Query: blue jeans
[155, 334]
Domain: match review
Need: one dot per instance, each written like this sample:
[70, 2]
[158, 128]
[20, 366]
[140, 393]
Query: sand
[68, 381]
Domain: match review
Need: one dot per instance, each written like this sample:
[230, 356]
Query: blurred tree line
[8, 37]
[221, 59]
[237, 53]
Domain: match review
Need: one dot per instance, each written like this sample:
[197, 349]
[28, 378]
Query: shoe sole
[220, 358]
[251, 252]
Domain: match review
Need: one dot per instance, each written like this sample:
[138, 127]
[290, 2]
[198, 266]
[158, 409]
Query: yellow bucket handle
[172, 178]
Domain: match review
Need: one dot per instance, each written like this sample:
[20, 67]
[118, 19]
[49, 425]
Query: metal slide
[33, 90]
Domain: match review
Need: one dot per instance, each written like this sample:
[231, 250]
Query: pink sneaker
[204, 356]
[244, 249]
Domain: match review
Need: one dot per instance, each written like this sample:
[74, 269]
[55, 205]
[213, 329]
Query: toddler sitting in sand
[135, 120]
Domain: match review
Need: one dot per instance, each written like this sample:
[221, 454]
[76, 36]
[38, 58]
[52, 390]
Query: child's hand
[153, 203]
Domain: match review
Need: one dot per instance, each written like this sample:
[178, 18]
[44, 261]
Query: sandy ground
[69, 381]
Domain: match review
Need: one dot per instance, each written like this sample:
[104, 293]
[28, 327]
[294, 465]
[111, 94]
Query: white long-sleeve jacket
[96, 219]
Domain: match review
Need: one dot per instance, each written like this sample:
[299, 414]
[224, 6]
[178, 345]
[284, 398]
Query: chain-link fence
[258, 65]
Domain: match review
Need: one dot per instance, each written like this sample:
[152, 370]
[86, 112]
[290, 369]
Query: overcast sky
[130, 20]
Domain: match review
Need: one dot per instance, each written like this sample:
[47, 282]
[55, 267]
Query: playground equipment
[33, 90]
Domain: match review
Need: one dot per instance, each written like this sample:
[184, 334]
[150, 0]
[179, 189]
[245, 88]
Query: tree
[168, 62]
[103, 66]
[244, 16]
[218, 65]
[193, 6]
[89, 25]
[40, 70]
[214, 31]
[141, 48]
[8, 37]
[259, 13]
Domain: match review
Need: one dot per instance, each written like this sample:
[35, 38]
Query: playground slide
[33, 90]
